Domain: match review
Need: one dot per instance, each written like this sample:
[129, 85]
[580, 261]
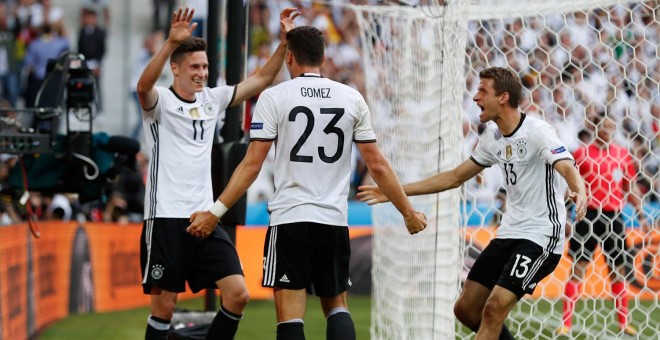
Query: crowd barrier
[94, 267]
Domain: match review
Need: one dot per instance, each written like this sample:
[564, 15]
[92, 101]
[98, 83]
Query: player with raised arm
[313, 122]
[179, 124]
[530, 238]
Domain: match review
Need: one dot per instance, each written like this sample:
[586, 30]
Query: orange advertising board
[115, 266]
[13, 281]
[51, 255]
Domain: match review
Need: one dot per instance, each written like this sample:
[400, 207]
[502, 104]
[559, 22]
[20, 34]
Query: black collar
[179, 97]
[312, 75]
[522, 118]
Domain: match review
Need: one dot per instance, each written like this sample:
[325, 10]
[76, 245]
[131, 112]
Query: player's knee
[464, 314]
[237, 299]
[163, 308]
[492, 312]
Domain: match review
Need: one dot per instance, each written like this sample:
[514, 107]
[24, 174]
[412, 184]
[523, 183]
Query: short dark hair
[307, 45]
[194, 44]
[504, 80]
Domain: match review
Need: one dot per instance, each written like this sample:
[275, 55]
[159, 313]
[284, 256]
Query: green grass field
[259, 321]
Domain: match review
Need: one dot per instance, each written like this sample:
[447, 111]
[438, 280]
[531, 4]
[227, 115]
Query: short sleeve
[363, 131]
[152, 114]
[224, 95]
[550, 148]
[264, 118]
[482, 155]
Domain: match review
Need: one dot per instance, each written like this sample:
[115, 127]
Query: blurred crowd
[574, 67]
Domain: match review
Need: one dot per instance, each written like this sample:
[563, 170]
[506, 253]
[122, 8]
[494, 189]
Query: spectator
[49, 45]
[91, 44]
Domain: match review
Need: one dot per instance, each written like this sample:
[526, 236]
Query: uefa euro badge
[508, 152]
[157, 271]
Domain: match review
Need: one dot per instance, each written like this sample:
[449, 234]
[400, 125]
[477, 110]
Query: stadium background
[39, 273]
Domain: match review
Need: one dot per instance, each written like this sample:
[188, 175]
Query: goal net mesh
[577, 59]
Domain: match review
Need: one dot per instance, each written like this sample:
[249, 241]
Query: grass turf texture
[259, 321]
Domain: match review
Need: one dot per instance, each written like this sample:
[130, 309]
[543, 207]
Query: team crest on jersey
[521, 148]
[208, 109]
[157, 271]
[508, 152]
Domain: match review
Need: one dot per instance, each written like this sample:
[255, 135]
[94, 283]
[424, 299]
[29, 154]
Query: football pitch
[591, 318]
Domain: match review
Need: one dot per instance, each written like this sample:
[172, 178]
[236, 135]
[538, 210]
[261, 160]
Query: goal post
[577, 59]
[411, 73]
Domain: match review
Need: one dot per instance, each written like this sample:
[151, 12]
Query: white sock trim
[157, 325]
[222, 310]
[292, 321]
[337, 311]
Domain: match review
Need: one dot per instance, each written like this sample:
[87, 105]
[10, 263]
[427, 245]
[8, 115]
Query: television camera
[71, 158]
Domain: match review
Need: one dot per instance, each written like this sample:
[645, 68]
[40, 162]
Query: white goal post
[577, 58]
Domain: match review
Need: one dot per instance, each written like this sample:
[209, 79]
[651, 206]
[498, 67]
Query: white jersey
[535, 191]
[313, 121]
[180, 135]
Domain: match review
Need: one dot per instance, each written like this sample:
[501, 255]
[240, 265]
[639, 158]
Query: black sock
[340, 326]
[290, 330]
[157, 328]
[504, 334]
[224, 325]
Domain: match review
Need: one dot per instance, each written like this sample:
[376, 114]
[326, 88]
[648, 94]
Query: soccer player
[313, 122]
[609, 171]
[179, 124]
[530, 238]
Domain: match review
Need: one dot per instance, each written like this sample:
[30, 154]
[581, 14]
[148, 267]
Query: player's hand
[416, 222]
[202, 224]
[181, 28]
[371, 194]
[286, 21]
[580, 205]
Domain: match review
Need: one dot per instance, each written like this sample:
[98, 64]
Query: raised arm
[180, 30]
[266, 75]
[437, 183]
[383, 174]
[575, 182]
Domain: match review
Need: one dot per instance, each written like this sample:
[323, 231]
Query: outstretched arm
[266, 75]
[436, 183]
[575, 182]
[180, 31]
[202, 223]
[386, 178]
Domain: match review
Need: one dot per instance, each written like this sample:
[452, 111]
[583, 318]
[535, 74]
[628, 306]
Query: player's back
[313, 121]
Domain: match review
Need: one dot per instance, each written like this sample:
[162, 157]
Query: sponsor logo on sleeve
[558, 150]
[256, 126]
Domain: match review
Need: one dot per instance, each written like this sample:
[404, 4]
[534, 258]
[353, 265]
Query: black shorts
[169, 256]
[515, 264]
[605, 228]
[307, 255]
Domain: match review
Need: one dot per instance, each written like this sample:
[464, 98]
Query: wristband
[218, 209]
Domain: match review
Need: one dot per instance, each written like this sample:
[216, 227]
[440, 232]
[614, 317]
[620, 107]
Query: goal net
[577, 60]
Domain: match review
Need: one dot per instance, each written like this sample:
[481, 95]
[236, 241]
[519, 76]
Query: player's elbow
[143, 89]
